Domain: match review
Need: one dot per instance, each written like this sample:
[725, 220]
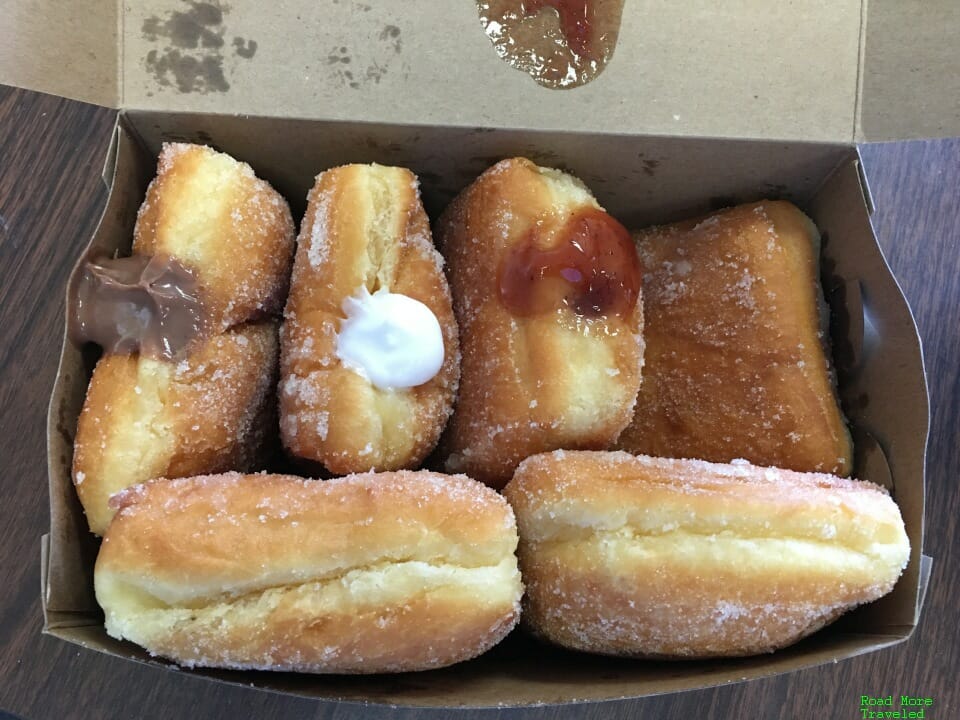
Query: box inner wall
[640, 180]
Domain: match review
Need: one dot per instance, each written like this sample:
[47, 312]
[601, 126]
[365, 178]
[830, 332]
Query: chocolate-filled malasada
[188, 329]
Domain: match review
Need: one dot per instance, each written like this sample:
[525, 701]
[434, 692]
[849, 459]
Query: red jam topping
[591, 266]
[575, 20]
[560, 43]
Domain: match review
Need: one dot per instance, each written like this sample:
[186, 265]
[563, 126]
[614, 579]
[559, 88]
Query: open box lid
[837, 70]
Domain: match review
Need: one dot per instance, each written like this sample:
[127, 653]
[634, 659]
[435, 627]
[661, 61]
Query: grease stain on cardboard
[648, 165]
[190, 48]
[372, 60]
[244, 48]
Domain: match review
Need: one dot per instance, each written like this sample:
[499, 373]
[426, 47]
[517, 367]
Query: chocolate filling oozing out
[145, 304]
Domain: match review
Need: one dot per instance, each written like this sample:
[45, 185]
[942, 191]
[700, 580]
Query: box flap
[70, 550]
[697, 68]
[505, 677]
[875, 340]
[910, 85]
[64, 48]
[700, 69]
[926, 567]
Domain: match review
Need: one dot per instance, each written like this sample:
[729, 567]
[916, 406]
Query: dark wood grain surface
[51, 151]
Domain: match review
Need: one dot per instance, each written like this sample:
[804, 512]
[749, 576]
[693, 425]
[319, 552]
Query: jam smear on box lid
[559, 43]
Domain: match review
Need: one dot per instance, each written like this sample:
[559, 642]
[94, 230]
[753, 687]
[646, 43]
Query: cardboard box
[704, 104]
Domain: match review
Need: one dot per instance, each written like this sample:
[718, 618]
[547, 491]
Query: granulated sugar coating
[367, 573]
[736, 363]
[654, 557]
[145, 417]
[319, 245]
[529, 383]
[229, 227]
[364, 228]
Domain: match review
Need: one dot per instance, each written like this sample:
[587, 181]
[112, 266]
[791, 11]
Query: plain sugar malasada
[546, 290]
[652, 557]
[188, 325]
[737, 363]
[371, 573]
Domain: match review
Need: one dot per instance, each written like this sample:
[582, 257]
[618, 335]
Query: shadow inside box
[561, 676]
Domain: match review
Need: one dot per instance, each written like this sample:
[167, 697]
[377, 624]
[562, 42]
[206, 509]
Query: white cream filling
[392, 340]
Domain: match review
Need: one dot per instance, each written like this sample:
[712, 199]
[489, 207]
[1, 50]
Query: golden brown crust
[228, 226]
[145, 418]
[367, 573]
[364, 226]
[528, 384]
[210, 412]
[643, 556]
[735, 365]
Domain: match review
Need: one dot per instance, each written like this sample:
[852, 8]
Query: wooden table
[50, 195]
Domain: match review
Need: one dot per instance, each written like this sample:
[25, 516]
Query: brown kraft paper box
[703, 105]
